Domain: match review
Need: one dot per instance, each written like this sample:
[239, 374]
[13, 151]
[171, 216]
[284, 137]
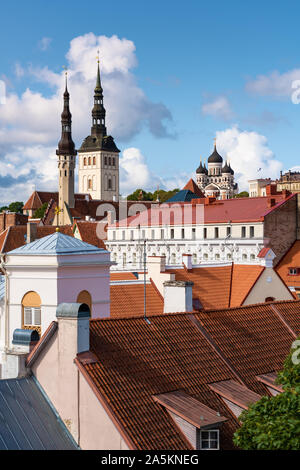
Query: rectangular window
[243, 232]
[205, 233]
[208, 440]
[152, 234]
[131, 235]
[216, 232]
[182, 233]
[251, 231]
[114, 235]
[193, 234]
[172, 234]
[228, 232]
[143, 234]
[32, 316]
[162, 234]
[123, 235]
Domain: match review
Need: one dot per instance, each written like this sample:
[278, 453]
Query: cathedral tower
[98, 172]
[66, 162]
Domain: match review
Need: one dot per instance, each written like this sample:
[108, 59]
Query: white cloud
[32, 120]
[135, 173]
[274, 84]
[218, 108]
[44, 43]
[19, 71]
[247, 152]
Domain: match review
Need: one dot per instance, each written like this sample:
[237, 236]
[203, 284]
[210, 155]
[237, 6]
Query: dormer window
[208, 440]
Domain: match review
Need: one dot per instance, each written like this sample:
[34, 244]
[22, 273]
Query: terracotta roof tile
[137, 360]
[122, 276]
[192, 186]
[128, 300]
[290, 260]
[253, 338]
[243, 279]
[88, 233]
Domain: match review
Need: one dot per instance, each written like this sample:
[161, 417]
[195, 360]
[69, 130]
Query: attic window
[293, 271]
[208, 440]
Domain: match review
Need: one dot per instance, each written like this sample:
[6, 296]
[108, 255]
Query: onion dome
[231, 170]
[226, 168]
[205, 169]
[200, 169]
[215, 157]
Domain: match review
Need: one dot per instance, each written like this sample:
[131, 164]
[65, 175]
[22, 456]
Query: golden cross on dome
[215, 141]
[98, 54]
[65, 69]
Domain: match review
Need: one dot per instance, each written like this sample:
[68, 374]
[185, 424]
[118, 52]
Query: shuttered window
[32, 316]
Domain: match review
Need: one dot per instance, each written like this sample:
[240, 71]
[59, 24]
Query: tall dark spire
[98, 111]
[66, 145]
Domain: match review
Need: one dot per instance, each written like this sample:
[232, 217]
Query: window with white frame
[32, 316]
[208, 439]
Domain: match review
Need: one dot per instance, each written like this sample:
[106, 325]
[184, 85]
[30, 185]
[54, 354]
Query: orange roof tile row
[220, 286]
[128, 300]
[291, 259]
[138, 360]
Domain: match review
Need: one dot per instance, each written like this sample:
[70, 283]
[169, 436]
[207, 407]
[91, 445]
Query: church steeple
[66, 145]
[98, 111]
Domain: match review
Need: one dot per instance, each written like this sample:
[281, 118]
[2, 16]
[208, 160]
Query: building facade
[214, 232]
[216, 180]
[98, 169]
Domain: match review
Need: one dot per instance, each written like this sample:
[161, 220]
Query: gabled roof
[192, 186]
[137, 360]
[253, 338]
[220, 286]
[28, 420]
[291, 259]
[235, 392]
[185, 195]
[248, 209]
[88, 233]
[56, 244]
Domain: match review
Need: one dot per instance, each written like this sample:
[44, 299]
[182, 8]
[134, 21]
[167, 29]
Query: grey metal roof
[56, 244]
[28, 420]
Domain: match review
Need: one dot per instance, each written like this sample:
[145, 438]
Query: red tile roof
[235, 392]
[122, 276]
[137, 360]
[290, 260]
[88, 233]
[220, 286]
[127, 300]
[192, 186]
[252, 209]
[253, 338]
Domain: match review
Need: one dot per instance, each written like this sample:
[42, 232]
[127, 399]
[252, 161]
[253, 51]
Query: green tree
[16, 206]
[40, 212]
[141, 195]
[3, 208]
[242, 194]
[273, 423]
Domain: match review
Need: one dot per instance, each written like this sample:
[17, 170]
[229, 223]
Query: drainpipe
[2, 265]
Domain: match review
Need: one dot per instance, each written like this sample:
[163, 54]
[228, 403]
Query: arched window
[89, 183]
[109, 184]
[84, 161]
[31, 311]
[269, 299]
[84, 297]
[94, 160]
[89, 160]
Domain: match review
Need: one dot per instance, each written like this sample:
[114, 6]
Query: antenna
[145, 310]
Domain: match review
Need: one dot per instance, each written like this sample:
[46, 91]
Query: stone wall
[8, 219]
[280, 227]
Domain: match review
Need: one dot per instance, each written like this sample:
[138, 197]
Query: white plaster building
[232, 230]
[45, 273]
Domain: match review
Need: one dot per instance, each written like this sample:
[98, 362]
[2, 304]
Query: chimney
[15, 360]
[178, 296]
[187, 261]
[73, 327]
[271, 202]
[31, 232]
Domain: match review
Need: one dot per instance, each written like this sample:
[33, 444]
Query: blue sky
[197, 61]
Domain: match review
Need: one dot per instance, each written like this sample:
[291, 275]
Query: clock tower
[98, 172]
